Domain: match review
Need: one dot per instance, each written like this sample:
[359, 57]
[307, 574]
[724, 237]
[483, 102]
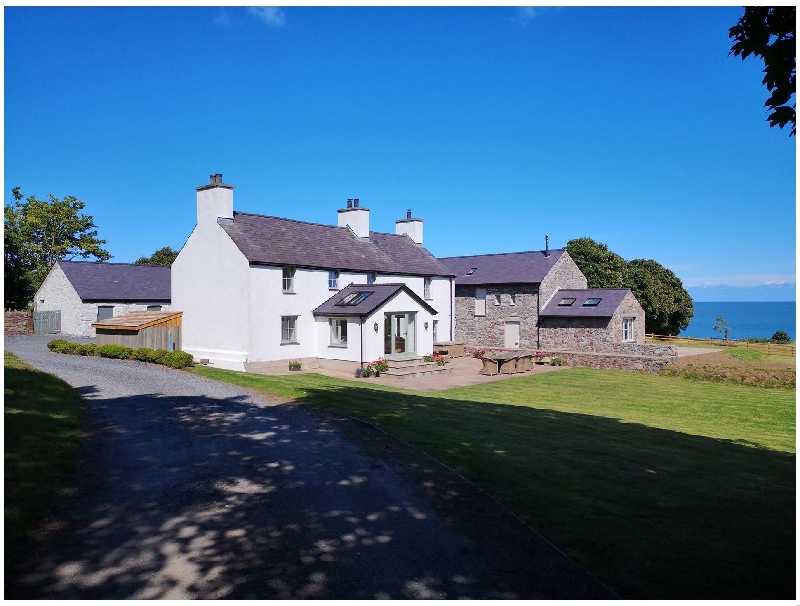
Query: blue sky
[628, 125]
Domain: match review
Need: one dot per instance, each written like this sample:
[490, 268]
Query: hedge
[173, 359]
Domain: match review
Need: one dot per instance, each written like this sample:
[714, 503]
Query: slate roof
[381, 293]
[610, 299]
[118, 281]
[505, 268]
[136, 320]
[277, 241]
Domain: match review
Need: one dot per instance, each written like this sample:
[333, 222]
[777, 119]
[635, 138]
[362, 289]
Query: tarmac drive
[190, 488]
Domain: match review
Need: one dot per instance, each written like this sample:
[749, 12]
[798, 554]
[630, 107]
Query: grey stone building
[540, 300]
[498, 297]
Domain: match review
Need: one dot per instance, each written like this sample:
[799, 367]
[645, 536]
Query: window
[426, 288]
[566, 302]
[104, 312]
[371, 277]
[338, 332]
[333, 280]
[628, 333]
[471, 271]
[288, 279]
[480, 301]
[513, 298]
[354, 298]
[497, 299]
[592, 302]
[288, 329]
[153, 308]
[435, 330]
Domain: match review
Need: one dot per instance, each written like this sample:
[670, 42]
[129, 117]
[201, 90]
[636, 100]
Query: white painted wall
[351, 353]
[440, 300]
[210, 285]
[77, 316]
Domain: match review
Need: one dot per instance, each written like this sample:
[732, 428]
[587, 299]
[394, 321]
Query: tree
[780, 336]
[602, 268]
[768, 32]
[667, 305]
[722, 326]
[163, 256]
[37, 234]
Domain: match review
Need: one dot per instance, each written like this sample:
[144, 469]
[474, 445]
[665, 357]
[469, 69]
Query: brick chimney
[412, 226]
[214, 201]
[355, 217]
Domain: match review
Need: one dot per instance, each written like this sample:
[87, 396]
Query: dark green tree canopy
[768, 32]
[37, 234]
[163, 256]
[667, 306]
[602, 268]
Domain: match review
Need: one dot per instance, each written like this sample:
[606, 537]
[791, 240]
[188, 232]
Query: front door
[512, 334]
[399, 330]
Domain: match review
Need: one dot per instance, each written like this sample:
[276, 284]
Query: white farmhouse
[257, 291]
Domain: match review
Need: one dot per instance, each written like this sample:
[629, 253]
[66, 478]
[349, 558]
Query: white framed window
[104, 312]
[435, 330]
[480, 301]
[371, 277]
[628, 333]
[288, 279]
[333, 280]
[289, 329]
[153, 308]
[426, 288]
[497, 299]
[338, 332]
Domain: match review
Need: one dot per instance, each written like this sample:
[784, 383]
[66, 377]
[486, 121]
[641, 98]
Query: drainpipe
[452, 319]
[538, 317]
[361, 322]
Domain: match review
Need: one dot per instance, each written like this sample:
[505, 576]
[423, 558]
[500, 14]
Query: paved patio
[465, 371]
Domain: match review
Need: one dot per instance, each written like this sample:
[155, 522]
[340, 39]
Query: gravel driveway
[190, 488]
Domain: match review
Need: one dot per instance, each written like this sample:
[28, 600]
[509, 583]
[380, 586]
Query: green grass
[662, 487]
[43, 419]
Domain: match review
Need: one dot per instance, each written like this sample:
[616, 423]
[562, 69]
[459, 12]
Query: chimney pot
[547, 245]
[408, 214]
[349, 202]
[355, 202]
[216, 179]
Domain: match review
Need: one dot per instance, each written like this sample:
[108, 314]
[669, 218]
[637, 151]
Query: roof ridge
[107, 263]
[238, 212]
[522, 252]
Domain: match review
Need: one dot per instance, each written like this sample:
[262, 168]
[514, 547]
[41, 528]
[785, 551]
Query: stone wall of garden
[18, 323]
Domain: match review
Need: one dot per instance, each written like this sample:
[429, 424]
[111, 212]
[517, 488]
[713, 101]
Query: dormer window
[566, 302]
[592, 302]
[472, 271]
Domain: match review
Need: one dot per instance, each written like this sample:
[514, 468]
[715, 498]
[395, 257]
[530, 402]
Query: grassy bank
[43, 417]
[663, 487]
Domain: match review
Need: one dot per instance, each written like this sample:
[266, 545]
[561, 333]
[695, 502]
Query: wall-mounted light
[426, 326]
[375, 326]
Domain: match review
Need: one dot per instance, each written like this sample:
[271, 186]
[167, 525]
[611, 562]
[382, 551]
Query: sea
[746, 320]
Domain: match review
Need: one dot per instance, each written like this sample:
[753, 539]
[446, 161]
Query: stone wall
[652, 362]
[489, 330]
[18, 323]
[564, 274]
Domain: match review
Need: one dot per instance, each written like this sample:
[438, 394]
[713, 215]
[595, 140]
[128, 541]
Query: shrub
[366, 371]
[110, 350]
[556, 362]
[88, 349]
[70, 348]
[158, 356]
[781, 337]
[143, 354]
[56, 345]
[381, 365]
[177, 359]
[429, 358]
[295, 365]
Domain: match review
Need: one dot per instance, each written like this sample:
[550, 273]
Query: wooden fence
[768, 348]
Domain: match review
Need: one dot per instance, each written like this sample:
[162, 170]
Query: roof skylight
[592, 302]
[354, 298]
[471, 271]
[566, 301]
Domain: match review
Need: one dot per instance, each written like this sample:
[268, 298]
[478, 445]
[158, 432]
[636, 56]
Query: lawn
[43, 419]
[662, 487]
